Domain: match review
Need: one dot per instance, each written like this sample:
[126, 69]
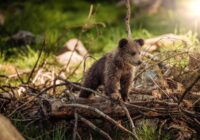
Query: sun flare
[194, 8]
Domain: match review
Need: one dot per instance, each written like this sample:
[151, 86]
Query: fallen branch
[130, 120]
[108, 118]
[75, 125]
[94, 127]
[128, 17]
[189, 88]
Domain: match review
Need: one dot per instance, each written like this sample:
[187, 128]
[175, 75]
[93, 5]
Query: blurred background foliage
[50, 19]
[58, 21]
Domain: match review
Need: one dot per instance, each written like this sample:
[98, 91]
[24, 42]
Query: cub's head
[130, 51]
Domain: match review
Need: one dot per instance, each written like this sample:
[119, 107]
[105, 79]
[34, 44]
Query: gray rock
[22, 38]
[76, 44]
[64, 58]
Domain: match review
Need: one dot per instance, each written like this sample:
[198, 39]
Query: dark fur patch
[139, 41]
[123, 42]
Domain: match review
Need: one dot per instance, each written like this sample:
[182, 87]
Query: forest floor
[56, 23]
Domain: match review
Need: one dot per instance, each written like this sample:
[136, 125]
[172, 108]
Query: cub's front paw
[116, 96]
[126, 99]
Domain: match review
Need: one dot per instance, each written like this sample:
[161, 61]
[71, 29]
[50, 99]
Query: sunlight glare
[194, 8]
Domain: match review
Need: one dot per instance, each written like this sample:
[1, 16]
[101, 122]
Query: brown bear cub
[114, 70]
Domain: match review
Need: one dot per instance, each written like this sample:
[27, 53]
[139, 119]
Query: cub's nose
[139, 62]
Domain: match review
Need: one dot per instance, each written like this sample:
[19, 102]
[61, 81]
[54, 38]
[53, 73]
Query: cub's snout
[139, 62]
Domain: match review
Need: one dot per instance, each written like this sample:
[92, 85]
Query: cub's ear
[122, 43]
[140, 41]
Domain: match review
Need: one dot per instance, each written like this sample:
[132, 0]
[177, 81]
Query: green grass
[145, 131]
[26, 58]
[58, 22]
[35, 132]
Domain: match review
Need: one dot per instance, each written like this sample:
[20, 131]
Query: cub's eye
[133, 53]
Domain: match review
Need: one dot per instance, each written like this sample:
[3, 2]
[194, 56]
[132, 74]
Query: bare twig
[102, 115]
[150, 66]
[188, 89]
[32, 99]
[160, 129]
[94, 127]
[130, 120]
[142, 108]
[91, 11]
[75, 69]
[36, 63]
[80, 34]
[67, 65]
[75, 119]
[75, 125]
[83, 88]
[18, 76]
[128, 17]
[174, 99]
[84, 64]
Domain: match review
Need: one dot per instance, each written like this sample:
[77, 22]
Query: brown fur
[114, 70]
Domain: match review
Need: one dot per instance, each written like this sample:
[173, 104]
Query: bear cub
[115, 70]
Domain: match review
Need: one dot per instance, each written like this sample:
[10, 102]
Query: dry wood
[8, 131]
[100, 113]
[189, 88]
[75, 125]
[128, 17]
[130, 120]
[94, 127]
[156, 108]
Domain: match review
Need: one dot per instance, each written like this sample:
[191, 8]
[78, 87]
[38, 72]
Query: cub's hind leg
[91, 83]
